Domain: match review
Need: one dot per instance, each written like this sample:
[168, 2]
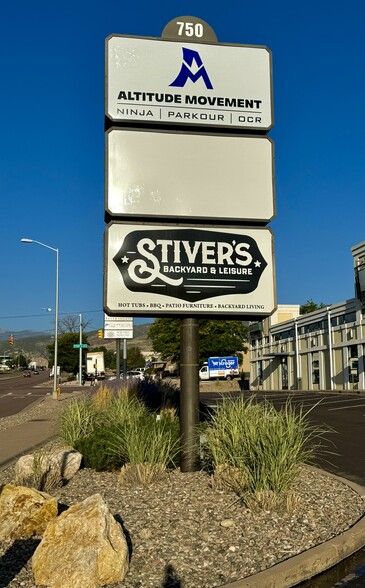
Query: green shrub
[95, 449]
[158, 394]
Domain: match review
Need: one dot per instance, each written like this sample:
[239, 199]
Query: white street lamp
[54, 392]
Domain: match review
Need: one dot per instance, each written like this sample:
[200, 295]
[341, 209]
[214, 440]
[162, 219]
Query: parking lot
[344, 413]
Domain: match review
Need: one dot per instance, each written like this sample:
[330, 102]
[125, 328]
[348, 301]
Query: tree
[311, 306]
[216, 337]
[220, 338]
[71, 324]
[165, 336]
[20, 360]
[67, 355]
[134, 358]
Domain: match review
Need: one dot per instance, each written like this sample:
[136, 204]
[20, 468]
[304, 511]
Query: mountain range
[35, 343]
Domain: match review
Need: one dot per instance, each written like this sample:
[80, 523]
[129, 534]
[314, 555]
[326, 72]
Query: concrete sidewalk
[24, 438]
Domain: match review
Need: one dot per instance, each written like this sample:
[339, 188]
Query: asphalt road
[344, 413]
[17, 392]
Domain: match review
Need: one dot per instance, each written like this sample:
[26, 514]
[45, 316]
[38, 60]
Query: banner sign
[223, 363]
[161, 269]
[216, 85]
[189, 175]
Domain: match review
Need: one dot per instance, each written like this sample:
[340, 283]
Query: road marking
[346, 407]
[340, 400]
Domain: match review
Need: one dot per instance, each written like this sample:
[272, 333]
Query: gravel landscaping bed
[184, 532]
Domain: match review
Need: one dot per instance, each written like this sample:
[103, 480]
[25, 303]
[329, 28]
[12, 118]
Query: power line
[47, 315]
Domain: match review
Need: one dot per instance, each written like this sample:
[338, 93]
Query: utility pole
[80, 352]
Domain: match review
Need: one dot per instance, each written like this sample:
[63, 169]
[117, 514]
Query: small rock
[227, 523]
[145, 533]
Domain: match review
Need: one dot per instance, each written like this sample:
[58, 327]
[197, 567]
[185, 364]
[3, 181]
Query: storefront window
[353, 365]
[315, 369]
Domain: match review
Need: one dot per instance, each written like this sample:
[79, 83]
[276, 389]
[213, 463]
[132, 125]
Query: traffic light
[100, 334]
[11, 340]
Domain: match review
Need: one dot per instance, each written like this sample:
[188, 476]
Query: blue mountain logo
[191, 57]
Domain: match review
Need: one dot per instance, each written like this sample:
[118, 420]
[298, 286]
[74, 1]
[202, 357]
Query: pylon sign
[186, 120]
[169, 82]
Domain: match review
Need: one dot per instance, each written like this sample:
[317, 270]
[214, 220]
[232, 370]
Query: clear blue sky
[52, 142]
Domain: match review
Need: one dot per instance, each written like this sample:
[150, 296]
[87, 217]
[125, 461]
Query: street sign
[153, 270]
[189, 175]
[169, 82]
[80, 346]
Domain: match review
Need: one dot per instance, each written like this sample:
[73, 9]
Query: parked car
[131, 374]
[27, 374]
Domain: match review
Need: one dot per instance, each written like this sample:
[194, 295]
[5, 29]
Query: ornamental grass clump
[77, 420]
[114, 428]
[149, 446]
[267, 446]
[44, 475]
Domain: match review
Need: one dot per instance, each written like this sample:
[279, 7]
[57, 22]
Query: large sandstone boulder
[83, 548]
[63, 465]
[24, 512]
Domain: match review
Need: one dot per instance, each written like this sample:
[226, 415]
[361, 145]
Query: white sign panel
[158, 81]
[165, 269]
[118, 334]
[118, 327]
[188, 175]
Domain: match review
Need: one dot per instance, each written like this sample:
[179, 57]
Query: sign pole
[124, 357]
[189, 394]
[117, 358]
[80, 352]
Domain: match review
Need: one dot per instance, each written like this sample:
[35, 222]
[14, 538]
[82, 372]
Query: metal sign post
[189, 394]
[117, 358]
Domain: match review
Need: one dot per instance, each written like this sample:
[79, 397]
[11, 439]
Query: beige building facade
[321, 350]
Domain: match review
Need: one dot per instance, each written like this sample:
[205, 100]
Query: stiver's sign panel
[189, 175]
[155, 269]
[158, 81]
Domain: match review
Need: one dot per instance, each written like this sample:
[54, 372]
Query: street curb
[314, 561]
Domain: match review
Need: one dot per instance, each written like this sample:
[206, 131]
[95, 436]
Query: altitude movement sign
[159, 81]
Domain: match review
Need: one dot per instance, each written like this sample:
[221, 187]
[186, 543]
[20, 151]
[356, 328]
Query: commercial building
[321, 350]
